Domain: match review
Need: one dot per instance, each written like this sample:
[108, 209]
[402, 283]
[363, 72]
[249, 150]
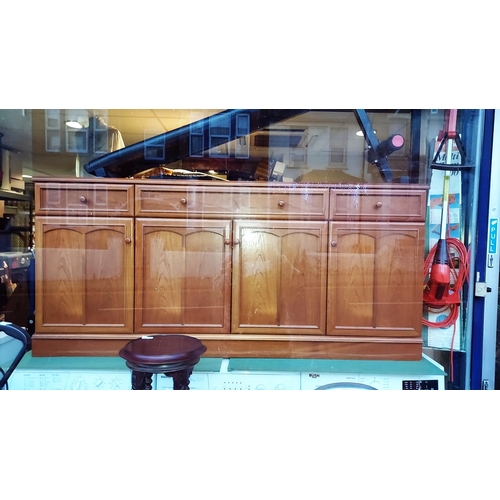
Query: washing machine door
[345, 386]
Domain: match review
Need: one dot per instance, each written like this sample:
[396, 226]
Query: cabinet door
[375, 279]
[183, 276]
[84, 275]
[279, 277]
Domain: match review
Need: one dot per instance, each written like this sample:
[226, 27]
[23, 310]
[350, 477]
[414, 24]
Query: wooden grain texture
[352, 280]
[183, 276]
[358, 202]
[271, 202]
[253, 269]
[374, 279]
[84, 199]
[262, 346]
[84, 274]
[279, 277]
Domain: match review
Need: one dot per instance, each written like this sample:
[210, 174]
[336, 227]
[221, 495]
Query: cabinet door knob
[227, 241]
[379, 204]
[83, 199]
[281, 203]
[183, 201]
[333, 243]
[236, 241]
[128, 240]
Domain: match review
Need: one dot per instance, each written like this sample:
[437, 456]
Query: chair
[12, 351]
[173, 355]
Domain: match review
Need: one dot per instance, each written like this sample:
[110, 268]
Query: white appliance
[233, 374]
[390, 375]
[224, 380]
[197, 382]
[236, 381]
[55, 380]
[254, 381]
[70, 374]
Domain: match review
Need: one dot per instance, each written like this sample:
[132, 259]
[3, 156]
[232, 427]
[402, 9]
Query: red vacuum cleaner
[443, 282]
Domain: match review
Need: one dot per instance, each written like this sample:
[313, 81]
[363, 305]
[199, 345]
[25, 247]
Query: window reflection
[323, 146]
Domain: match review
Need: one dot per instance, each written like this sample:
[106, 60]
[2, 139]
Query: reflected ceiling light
[359, 133]
[73, 124]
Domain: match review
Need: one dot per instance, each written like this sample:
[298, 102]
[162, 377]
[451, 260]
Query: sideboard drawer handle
[83, 199]
[281, 203]
[379, 204]
[184, 201]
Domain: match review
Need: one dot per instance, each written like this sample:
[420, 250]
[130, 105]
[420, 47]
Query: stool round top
[160, 349]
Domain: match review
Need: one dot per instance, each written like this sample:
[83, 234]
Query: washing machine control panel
[420, 385]
[236, 381]
[312, 381]
[254, 381]
[70, 380]
[197, 382]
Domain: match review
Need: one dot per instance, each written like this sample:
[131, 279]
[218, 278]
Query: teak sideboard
[253, 269]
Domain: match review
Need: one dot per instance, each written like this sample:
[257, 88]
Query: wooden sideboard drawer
[282, 203]
[378, 204]
[84, 199]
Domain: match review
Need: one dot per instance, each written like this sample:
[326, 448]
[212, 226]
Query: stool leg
[181, 379]
[141, 381]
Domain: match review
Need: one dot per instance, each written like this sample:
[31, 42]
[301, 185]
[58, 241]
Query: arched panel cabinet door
[183, 276]
[279, 277]
[84, 275]
[375, 279]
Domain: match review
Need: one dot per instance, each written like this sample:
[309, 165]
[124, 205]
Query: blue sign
[492, 244]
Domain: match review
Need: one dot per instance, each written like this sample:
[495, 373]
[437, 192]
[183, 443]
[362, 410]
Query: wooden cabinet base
[233, 346]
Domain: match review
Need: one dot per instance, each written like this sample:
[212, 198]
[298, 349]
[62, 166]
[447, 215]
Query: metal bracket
[373, 144]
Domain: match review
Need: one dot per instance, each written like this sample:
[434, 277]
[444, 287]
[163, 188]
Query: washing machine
[425, 374]
[67, 373]
[254, 381]
[110, 373]
[235, 375]
[197, 382]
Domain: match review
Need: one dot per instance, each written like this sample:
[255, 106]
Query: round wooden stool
[173, 355]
